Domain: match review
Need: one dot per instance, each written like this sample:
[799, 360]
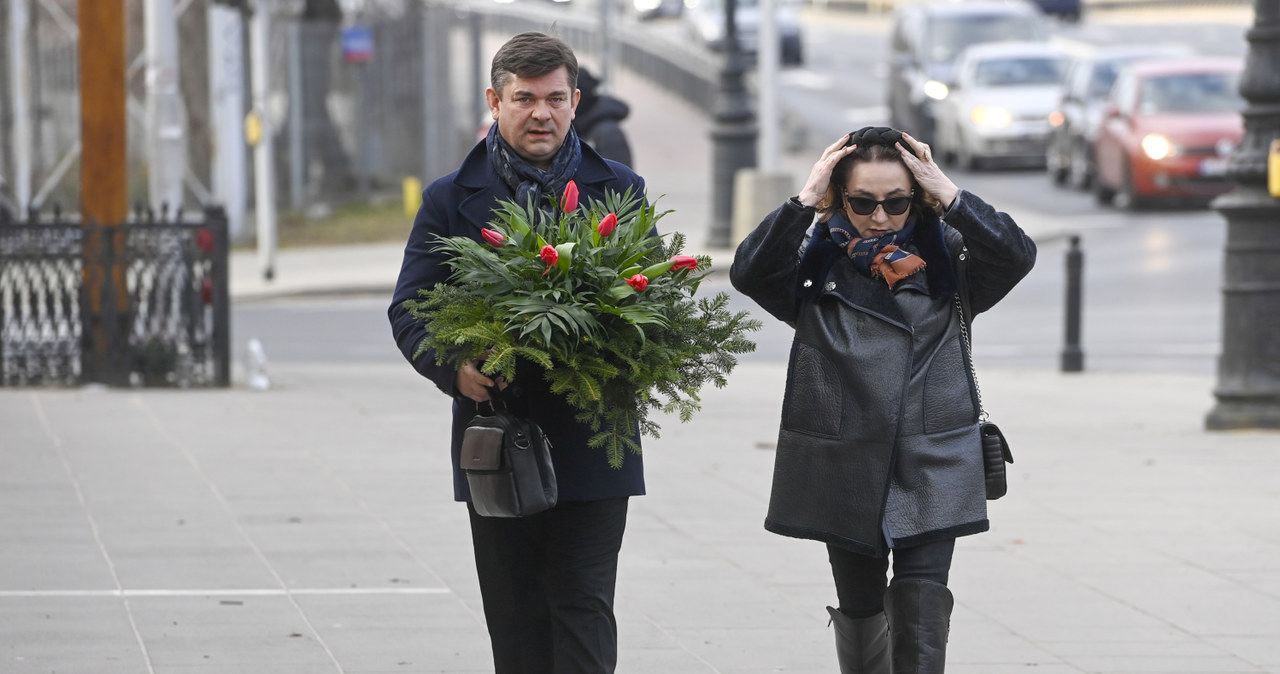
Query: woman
[879, 450]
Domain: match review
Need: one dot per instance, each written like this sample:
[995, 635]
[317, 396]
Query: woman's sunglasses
[865, 206]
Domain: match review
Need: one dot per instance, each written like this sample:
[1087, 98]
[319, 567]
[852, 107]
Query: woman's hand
[815, 188]
[927, 172]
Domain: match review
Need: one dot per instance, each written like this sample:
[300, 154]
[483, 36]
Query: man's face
[534, 114]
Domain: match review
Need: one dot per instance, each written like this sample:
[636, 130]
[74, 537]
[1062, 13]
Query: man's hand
[474, 384]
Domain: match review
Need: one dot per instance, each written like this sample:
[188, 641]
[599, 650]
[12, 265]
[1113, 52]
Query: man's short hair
[530, 55]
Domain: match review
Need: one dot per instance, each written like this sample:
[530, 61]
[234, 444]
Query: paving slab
[1142, 545]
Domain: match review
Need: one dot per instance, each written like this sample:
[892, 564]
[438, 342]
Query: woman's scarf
[525, 179]
[882, 256]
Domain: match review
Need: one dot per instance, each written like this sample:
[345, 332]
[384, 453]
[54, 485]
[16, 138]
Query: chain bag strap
[995, 449]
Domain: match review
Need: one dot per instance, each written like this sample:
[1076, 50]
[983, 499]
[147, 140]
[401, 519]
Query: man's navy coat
[460, 204]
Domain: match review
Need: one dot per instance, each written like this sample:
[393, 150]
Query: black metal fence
[141, 303]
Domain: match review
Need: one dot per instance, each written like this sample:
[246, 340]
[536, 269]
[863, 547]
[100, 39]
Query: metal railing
[140, 303]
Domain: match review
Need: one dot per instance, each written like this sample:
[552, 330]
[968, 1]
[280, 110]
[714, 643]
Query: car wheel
[1059, 170]
[1054, 161]
[964, 155]
[944, 147]
[1129, 197]
[792, 53]
[1079, 170]
[1102, 192]
[948, 157]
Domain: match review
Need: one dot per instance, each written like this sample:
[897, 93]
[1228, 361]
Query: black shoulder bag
[995, 449]
[507, 461]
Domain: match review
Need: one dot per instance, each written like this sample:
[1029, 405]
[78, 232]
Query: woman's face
[878, 180]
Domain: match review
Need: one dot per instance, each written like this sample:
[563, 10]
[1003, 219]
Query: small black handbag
[507, 461]
[995, 453]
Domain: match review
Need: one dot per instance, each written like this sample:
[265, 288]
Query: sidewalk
[310, 528]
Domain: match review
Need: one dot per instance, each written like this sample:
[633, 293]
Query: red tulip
[570, 201]
[607, 224]
[549, 256]
[494, 237]
[204, 240]
[639, 282]
[684, 262]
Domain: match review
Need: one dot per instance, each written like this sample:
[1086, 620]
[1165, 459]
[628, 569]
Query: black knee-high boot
[919, 613]
[862, 644]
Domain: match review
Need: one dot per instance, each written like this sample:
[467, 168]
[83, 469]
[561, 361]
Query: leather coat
[879, 446]
[460, 204]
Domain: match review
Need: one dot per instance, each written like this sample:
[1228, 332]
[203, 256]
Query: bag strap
[495, 397]
[961, 295]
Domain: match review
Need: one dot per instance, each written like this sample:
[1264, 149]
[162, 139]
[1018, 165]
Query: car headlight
[936, 90]
[987, 115]
[1157, 146]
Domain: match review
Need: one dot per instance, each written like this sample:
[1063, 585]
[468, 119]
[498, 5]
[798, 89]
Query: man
[598, 120]
[547, 581]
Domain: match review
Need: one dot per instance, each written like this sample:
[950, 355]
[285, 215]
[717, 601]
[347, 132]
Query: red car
[1167, 131]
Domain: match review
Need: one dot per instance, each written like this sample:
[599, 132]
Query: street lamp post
[733, 133]
[1248, 388]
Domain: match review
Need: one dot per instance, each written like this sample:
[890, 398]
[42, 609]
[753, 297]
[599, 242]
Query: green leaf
[653, 271]
[620, 291]
[565, 252]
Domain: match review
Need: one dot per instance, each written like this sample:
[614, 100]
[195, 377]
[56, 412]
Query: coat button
[831, 285]
[808, 282]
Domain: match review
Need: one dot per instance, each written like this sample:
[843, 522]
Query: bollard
[411, 193]
[1072, 355]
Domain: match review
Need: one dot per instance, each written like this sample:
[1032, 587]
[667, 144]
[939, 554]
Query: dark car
[1067, 9]
[1079, 114]
[1168, 129]
[925, 41]
[706, 21]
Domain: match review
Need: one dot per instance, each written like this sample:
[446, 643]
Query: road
[1152, 279]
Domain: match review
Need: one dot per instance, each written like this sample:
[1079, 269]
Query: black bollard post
[1072, 355]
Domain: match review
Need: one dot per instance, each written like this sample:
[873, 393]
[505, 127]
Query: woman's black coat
[879, 443]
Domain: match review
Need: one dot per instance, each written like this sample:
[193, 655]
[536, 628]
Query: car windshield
[1105, 73]
[948, 36]
[1103, 77]
[1198, 92]
[1018, 71]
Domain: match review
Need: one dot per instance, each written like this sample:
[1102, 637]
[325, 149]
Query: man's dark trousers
[547, 582]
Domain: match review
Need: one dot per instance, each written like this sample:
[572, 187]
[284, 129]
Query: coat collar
[825, 270]
[870, 295]
[477, 177]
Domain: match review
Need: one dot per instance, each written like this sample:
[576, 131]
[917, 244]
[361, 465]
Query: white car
[999, 104]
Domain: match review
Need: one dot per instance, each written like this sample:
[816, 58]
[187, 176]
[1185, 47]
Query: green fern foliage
[599, 301]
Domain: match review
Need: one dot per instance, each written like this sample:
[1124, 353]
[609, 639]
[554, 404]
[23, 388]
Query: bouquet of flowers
[604, 306]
